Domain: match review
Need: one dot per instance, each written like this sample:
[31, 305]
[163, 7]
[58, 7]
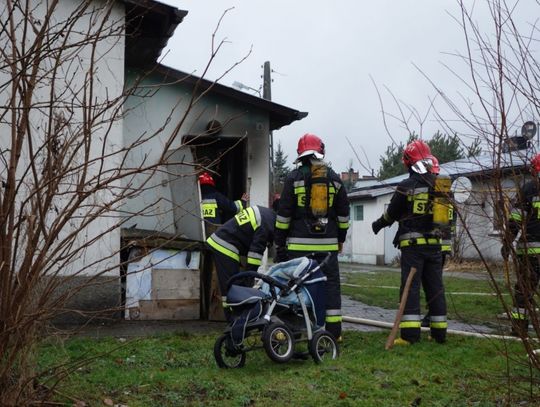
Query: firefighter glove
[378, 225]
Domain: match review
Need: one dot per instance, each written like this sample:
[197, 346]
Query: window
[358, 212]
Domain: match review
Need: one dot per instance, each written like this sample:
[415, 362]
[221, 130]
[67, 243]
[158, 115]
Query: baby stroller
[287, 310]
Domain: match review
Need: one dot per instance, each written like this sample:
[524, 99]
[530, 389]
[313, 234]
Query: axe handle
[393, 332]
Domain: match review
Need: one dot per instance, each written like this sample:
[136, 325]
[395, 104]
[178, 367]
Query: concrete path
[358, 309]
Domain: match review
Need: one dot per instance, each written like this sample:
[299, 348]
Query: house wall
[161, 112]
[95, 70]
[479, 218]
[361, 245]
[77, 66]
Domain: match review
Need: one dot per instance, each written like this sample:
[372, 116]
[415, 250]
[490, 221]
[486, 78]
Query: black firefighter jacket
[293, 218]
[411, 205]
[248, 234]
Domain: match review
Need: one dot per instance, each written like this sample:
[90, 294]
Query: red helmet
[417, 152]
[435, 168]
[535, 164]
[310, 144]
[206, 179]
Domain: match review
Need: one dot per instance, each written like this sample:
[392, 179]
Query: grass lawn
[465, 298]
[179, 370]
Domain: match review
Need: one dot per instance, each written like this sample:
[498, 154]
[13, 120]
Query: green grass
[179, 370]
[477, 309]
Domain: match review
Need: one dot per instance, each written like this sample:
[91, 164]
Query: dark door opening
[226, 158]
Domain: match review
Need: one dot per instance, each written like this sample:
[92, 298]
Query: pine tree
[280, 169]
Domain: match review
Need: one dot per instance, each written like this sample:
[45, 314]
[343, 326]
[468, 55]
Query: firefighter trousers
[332, 286]
[226, 267]
[428, 263]
[527, 278]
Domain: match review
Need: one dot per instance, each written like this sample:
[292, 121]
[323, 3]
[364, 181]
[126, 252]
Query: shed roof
[149, 25]
[279, 115]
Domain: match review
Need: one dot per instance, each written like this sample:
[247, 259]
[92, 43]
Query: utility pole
[267, 94]
[267, 81]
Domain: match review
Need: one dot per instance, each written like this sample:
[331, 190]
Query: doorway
[226, 158]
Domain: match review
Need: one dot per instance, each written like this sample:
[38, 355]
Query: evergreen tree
[280, 169]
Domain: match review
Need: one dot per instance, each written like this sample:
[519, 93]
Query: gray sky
[326, 56]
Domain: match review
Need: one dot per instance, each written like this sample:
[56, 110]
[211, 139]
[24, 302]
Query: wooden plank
[167, 309]
[215, 309]
[175, 284]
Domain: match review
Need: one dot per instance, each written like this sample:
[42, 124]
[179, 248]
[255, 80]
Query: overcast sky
[328, 59]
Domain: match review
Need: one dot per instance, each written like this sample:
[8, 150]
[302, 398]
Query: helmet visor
[310, 152]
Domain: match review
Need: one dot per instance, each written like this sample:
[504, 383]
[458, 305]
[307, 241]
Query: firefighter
[525, 217]
[419, 242]
[246, 235]
[216, 207]
[446, 232]
[313, 217]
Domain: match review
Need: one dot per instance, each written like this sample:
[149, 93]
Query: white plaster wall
[75, 72]
[362, 245]
[478, 216]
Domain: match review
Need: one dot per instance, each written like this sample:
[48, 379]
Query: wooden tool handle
[393, 332]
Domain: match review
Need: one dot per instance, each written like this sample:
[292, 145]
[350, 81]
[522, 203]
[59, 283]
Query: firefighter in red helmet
[216, 207]
[419, 242]
[447, 231]
[313, 217]
[525, 217]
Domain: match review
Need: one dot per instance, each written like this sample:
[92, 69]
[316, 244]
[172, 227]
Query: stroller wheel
[278, 342]
[323, 346]
[226, 356]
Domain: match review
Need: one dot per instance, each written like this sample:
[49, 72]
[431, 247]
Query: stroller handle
[267, 279]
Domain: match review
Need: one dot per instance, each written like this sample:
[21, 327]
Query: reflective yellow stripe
[446, 248]
[419, 241]
[529, 250]
[299, 190]
[518, 315]
[333, 318]
[515, 216]
[281, 225]
[312, 247]
[209, 210]
[253, 261]
[252, 218]
[438, 325]
[222, 249]
[343, 225]
[410, 324]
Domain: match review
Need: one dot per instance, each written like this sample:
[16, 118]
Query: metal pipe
[382, 324]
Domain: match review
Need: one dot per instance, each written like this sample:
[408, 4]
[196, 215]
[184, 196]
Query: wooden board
[175, 284]
[166, 309]
[215, 309]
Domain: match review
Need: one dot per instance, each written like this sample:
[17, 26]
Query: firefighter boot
[334, 328]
